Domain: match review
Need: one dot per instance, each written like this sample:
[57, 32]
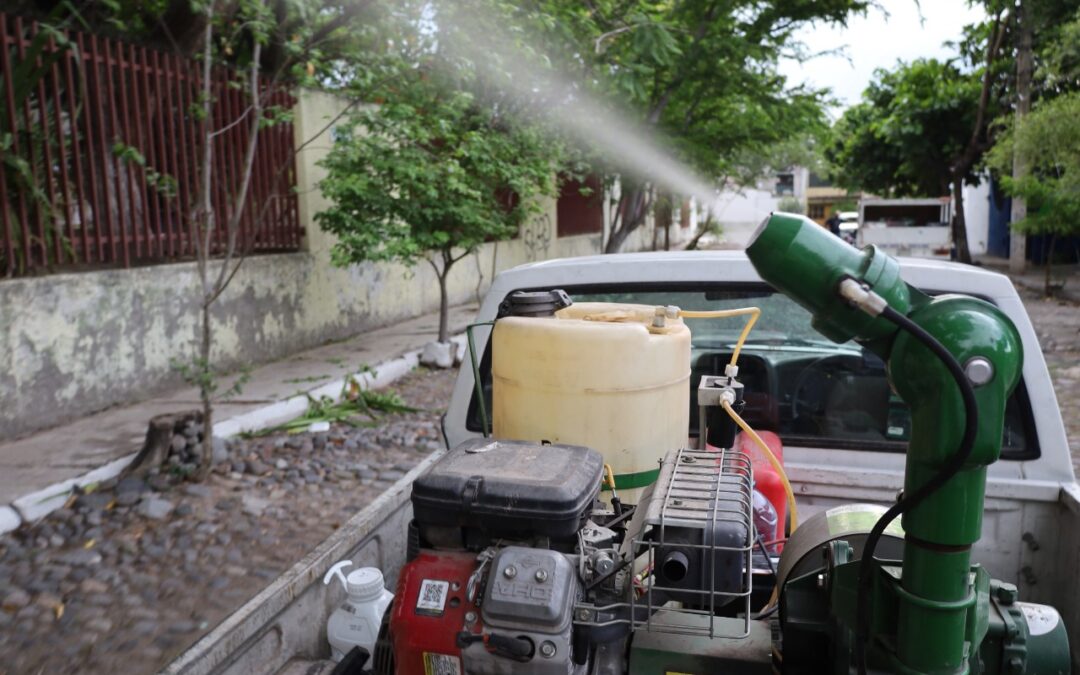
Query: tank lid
[364, 582]
[534, 303]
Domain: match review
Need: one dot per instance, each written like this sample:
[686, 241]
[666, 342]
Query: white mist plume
[627, 144]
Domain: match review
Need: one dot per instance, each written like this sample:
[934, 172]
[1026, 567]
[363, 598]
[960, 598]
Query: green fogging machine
[954, 360]
[516, 566]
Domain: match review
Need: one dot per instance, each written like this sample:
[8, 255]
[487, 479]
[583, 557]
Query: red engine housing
[429, 611]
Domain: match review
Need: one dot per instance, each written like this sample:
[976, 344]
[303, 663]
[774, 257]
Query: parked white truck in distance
[907, 227]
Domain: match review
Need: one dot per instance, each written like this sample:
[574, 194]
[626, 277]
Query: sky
[877, 41]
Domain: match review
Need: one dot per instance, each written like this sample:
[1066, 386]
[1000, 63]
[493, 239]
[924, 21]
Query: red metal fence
[101, 149]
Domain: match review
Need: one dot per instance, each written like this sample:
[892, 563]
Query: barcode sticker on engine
[432, 597]
[441, 664]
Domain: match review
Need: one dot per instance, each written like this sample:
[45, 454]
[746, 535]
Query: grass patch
[358, 407]
[302, 380]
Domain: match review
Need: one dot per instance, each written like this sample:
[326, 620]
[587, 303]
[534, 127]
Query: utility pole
[1024, 66]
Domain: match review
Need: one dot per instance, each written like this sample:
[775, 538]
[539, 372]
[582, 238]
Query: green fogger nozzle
[806, 262]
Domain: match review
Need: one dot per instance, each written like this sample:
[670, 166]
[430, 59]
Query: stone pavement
[1033, 277]
[124, 578]
[44, 459]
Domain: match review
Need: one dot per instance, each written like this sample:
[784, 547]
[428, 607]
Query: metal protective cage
[705, 491]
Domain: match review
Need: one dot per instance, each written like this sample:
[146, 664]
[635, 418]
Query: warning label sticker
[441, 664]
[432, 597]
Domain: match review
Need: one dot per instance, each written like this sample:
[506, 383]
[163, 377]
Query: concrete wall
[78, 343]
[740, 210]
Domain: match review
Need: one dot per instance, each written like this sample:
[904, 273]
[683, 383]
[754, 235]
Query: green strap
[629, 481]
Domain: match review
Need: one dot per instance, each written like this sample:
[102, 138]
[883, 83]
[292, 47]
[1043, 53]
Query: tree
[234, 35]
[700, 74]
[922, 129]
[1049, 137]
[431, 175]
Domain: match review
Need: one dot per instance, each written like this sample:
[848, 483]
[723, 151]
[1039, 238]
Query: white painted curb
[31, 507]
[37, 504]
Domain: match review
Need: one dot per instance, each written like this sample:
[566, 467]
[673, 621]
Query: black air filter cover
[485, 489]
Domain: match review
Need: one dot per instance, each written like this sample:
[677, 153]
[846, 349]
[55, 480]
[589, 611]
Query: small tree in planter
[430, 177]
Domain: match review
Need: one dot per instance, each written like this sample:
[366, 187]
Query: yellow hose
[609, 478]
[776, 465]
[754, 313]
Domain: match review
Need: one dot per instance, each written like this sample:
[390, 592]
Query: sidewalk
[103, 443]
[1033, 277]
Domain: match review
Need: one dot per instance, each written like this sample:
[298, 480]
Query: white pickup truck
[843, 432]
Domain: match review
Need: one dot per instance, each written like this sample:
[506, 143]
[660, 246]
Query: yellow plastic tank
[599, 375]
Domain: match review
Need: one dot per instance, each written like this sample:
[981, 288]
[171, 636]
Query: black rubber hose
[909, 501]
[772, 570]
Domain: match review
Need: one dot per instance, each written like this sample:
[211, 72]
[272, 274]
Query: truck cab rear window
[811, 391]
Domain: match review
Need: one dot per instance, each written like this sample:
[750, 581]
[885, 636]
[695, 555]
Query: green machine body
[930, 614]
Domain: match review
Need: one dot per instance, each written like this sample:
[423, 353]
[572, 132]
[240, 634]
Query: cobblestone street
[127, 576]
[1057, 323]
[124, 578]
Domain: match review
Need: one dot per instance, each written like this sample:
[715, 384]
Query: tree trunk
[444, 305]
[634, 208]
[206, 394]
[1048, 291]
[1024, 66]
[959, 224]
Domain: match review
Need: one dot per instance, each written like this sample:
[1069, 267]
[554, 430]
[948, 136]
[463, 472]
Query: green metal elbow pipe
[807, 263]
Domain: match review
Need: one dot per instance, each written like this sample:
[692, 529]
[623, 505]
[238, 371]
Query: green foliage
[427, 172]
[791, 205]
[1049, 139]
[907, 132]
[164, 184]
[354, 401]
[201, 374]
[1059, 70]
[704, 73]
[25, 172]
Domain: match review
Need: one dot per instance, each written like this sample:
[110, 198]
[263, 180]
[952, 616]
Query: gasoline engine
[519, 561]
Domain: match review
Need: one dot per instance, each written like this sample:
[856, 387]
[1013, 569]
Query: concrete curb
[36, 505]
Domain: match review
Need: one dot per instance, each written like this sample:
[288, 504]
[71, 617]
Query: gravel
[155, 508]
[129, 575]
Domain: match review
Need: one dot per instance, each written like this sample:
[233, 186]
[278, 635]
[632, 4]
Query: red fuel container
[766, 480]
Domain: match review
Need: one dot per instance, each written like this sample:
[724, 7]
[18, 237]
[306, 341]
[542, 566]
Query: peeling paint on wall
[79, 343]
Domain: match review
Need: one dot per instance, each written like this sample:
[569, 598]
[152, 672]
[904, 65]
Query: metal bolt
[510, 572]
[676, 502]
[604, 564]
[1006, 594]
[658, 318]
[1016, 665]
[455, 586]
[584, 615]
[470, 617]
[688, 459]
[541, 575]
[547, 649]
[979, 370]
